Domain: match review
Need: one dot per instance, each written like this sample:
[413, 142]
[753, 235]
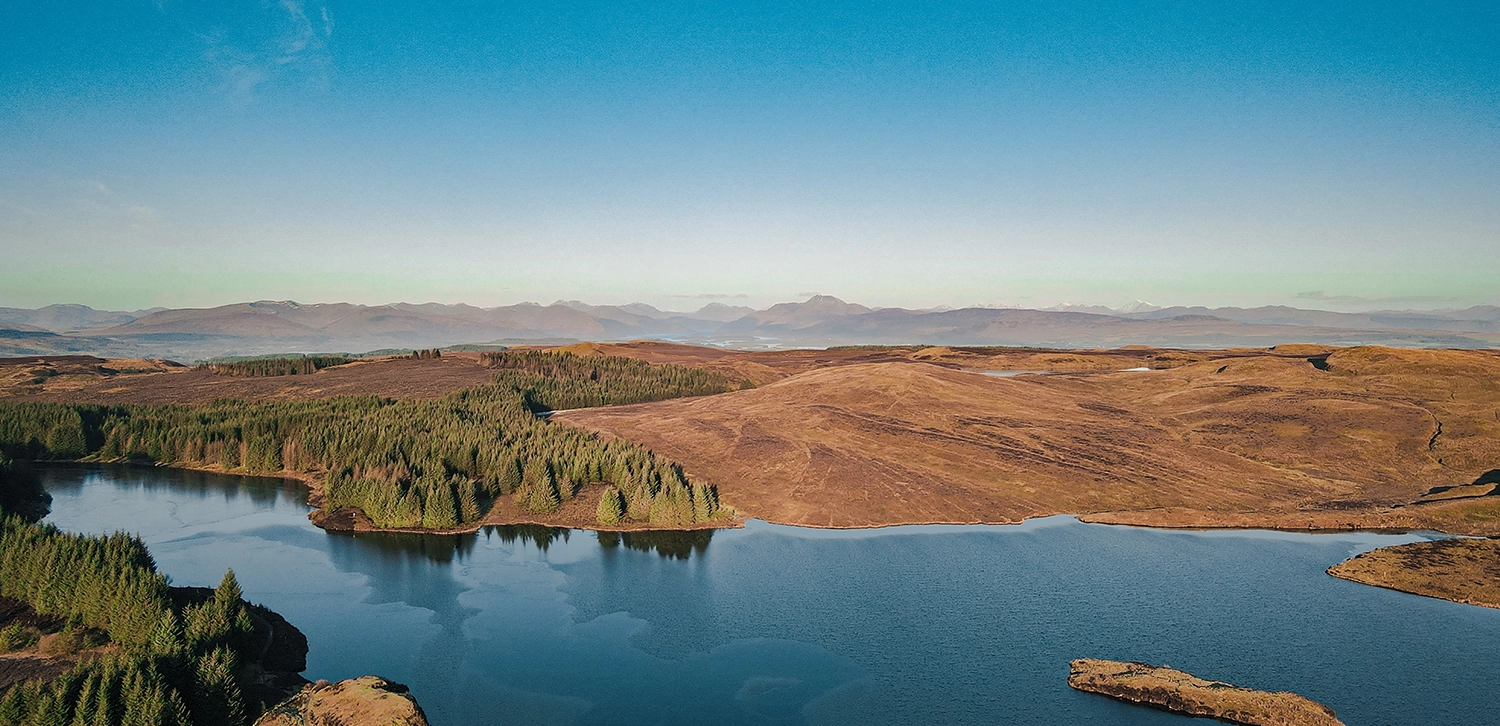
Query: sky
[1329, 155]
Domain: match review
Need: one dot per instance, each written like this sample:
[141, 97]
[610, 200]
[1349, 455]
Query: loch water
[773, 625]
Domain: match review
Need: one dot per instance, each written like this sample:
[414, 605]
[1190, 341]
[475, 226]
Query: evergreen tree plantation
[162, 664]
[433, 464]
[275, 366]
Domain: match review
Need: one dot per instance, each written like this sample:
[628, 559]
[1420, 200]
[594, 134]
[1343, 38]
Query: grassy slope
[1235, 439]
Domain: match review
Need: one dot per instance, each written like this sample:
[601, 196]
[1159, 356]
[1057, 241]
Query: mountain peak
[640, 308]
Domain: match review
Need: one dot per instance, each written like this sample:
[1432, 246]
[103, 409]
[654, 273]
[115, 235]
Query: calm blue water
[770, 624]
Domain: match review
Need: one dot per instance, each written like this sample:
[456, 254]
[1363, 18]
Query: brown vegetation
[762, 367]
[27, 376]
[1175, 690]
[39, 647]
[1349, 439]
[1461, 570]
[393, 377]
[363, 701]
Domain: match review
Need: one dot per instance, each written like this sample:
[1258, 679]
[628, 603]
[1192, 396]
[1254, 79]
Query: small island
[1181, 692]
[1462, 570]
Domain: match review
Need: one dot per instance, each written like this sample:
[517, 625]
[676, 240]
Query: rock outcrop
[1182, 692]
[363, 701]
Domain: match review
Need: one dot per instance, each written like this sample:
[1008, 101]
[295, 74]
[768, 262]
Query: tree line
[278, 366]
[554, 381]
[433, 464]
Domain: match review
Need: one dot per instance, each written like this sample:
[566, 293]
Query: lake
[773, 624]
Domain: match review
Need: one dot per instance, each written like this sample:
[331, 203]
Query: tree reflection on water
[679, 545]
[674, 544]
[538, 535]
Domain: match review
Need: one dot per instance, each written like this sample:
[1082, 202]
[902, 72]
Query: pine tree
[611, 506]
[228, 593]
[216, 697]
[438, 510]
[538, 487]
[468, 501]
[704, 503]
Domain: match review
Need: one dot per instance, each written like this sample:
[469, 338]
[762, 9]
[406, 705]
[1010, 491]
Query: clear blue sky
[1326, 154]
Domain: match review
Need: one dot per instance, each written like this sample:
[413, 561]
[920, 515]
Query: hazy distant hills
[270, 327]
[1479, 319]
[67, 318]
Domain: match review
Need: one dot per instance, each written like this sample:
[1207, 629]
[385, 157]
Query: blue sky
[1336, 155]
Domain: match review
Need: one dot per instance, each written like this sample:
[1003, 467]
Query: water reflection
[534, 534]
[265, 491]
[674, 545]
[22, 493]
[404, 546]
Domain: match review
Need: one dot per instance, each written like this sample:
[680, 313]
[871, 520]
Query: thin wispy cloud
[257, 46]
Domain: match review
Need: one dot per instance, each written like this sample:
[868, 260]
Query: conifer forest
[429, 464]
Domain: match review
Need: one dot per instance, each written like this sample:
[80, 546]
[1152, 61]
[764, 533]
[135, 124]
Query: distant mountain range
[68, 318]
[279, 327]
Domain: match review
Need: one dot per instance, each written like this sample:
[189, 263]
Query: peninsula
[1462, 570]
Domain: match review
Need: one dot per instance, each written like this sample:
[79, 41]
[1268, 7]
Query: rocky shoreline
[1180, 692]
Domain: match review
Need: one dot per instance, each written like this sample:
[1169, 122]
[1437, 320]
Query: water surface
[770, 624]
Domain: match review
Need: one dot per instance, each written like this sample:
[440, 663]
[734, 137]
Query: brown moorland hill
[761, 367]
[1353, 438]
[87, 379]
[394, 377]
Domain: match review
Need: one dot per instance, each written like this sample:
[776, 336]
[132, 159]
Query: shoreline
[1463, 570]
[1084, 518]
[1418, 593]
[312, 483]
[355, 522]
